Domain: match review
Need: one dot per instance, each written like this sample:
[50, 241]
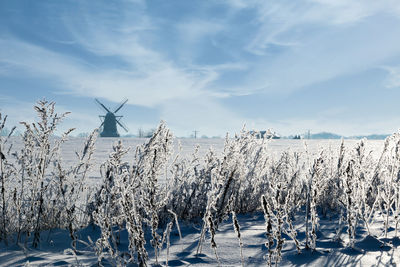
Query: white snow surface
[186, 146]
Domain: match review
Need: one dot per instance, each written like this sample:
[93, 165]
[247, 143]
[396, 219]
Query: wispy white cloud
[286, 23]
[320, 40]
[147, 78]
[150, 86]
[122, 50]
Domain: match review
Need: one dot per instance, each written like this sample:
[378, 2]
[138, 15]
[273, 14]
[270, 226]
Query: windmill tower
[109, 121]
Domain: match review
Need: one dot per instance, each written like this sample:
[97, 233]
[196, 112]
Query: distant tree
[140, 133]
[195, 132]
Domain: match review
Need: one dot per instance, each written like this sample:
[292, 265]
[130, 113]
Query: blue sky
[210, 66]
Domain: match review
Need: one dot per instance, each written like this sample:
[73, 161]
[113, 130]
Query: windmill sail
[123, 103]
[123, 126]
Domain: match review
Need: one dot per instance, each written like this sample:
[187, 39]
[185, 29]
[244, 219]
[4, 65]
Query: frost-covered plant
[166, 239]
[239, 177]
[44, 194]
[289, 209]
[222, 181]
[150, 163]
[236, 227]
[330, 186]
[269, 230]
[225, 178]
[282, 197]
[357, 179]
[285, 180]
[279, 203]
[363, 175]
[389, 182]
[6, 172]
[37, 158]
[74, 193]
[134, 224]
[254, 172]
[190, 178]
[107, 213]
[131, 197]
[313, 194]
[212, 228]
[395, 178]
[351, 209]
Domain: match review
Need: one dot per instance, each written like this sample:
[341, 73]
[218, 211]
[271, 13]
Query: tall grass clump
[190, 179]
[232, 177]
[7, 171]
[35, 185]
[132, 197]
[38, 191]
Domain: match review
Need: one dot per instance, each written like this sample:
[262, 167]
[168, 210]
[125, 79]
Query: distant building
[268, 134]
[110, 120]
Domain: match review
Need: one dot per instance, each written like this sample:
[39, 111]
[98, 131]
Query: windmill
[110, 120]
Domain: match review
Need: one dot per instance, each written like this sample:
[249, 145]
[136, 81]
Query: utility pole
[308, 134]
[195, 133]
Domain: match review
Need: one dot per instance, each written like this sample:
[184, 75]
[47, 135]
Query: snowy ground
[370, 251]
[186, 146]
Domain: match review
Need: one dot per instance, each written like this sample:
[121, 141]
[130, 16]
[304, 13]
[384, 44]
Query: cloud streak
[188, 62]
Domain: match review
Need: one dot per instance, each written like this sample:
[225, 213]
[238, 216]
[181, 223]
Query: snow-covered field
[331, 249]
[186, 146]
[370, 251]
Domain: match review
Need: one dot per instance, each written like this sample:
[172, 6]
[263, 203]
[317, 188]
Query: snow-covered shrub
[253, 164]
[269, 228]
[362, 175]
[388, 182]
[131, 197]
[38, 191]
[190, 179]
[235, 179]
[35, 186]
[330, 184]
[149, 166]
[313, 193]
[279, 202]
[107, 212]
[236, 227]
[7, 171]
[74, 195]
